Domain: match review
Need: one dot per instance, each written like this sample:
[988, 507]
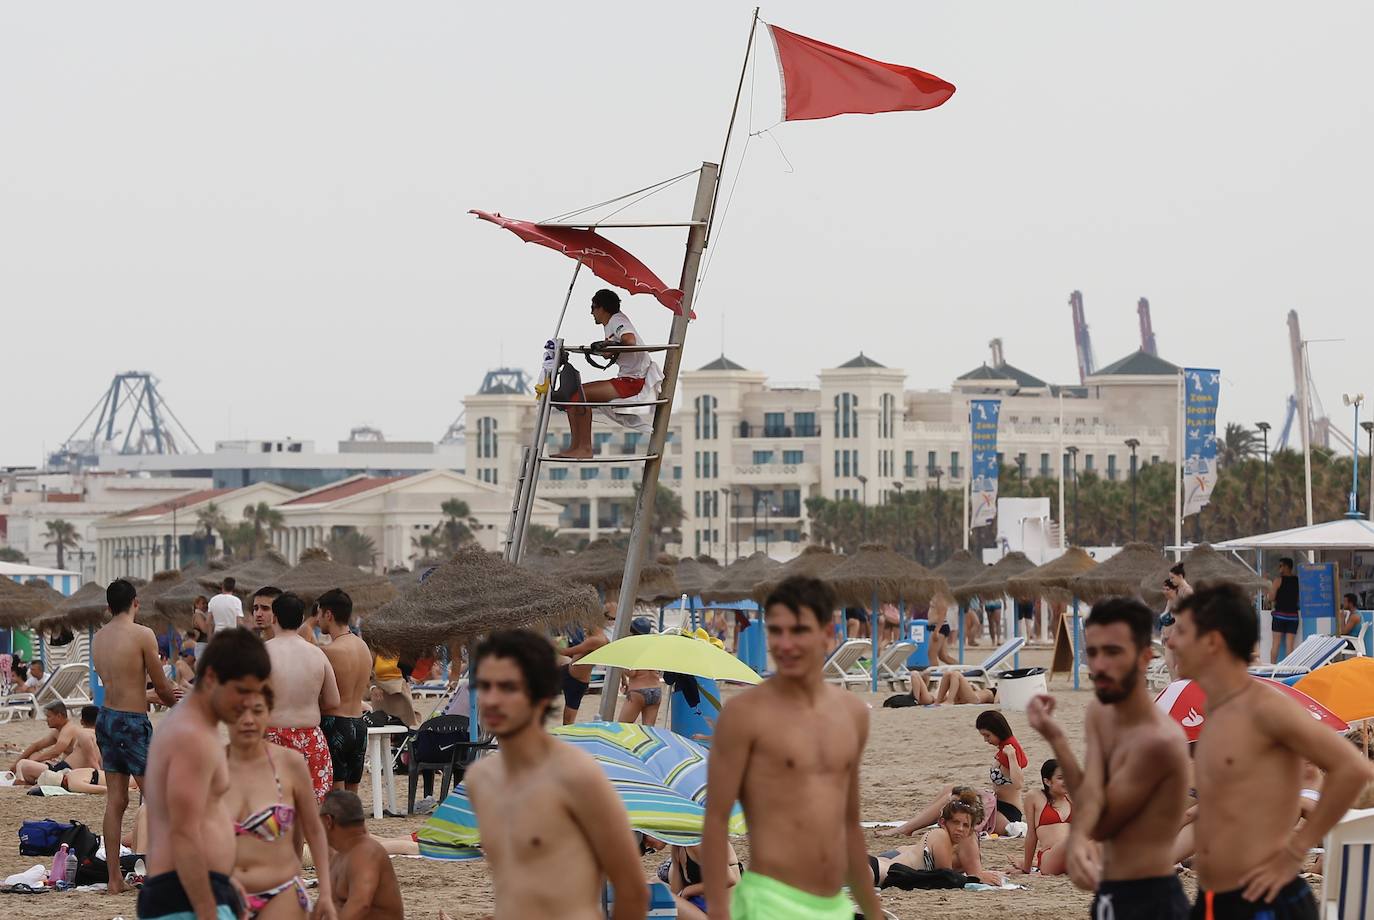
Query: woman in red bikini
[631, 369]
[269, 792]
[1048, 812]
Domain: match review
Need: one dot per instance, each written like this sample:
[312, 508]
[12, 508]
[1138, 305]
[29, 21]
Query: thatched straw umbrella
[317, 574]
[1053, 579]
[84, 609]
[1202, 565]
[814, 562]
[602, 565]
[960, 569]
[875, 572]
[473, 593]
[150, 614]
[20, 604]
[1120, 575]
[178, 601]
[992, 584]
[691, 577]
[736, 581]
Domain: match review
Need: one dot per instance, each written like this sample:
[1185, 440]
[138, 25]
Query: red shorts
[310, 743]
[627, 386]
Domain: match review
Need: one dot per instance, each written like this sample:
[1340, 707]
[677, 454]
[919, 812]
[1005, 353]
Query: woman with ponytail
[1048, 813]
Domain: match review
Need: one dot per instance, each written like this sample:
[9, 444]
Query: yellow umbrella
[1346, 688]
[680, 654]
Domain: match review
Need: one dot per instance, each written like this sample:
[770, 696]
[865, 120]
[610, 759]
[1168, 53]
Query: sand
[911, 754]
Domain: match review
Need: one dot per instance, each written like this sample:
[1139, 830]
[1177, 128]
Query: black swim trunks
[1010, 812]
[1294, 902]
[163, 898]
[573, 690]
[347, 739]
[1141, 899]
[123, 739]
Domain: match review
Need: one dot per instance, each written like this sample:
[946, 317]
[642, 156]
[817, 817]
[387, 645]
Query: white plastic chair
[1347, 893]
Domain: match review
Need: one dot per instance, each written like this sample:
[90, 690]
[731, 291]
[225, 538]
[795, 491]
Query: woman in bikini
[952, 844]
[269, 792]
[1006, 778]
[643, 689]
[1048, 812]
[682, 874]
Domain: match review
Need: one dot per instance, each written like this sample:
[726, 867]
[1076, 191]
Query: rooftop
[1005, 371]
[722, 364]
[1137, 364]
[862, 360]
[346, 489]
[181, 501]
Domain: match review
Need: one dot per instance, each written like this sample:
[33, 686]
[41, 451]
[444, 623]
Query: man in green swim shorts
[788, 750]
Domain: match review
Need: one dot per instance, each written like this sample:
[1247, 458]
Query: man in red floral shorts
[303, 682]
[631, 368]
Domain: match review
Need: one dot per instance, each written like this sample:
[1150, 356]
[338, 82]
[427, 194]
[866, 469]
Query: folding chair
[1347, 891]
[979, 675]
[1311, 653]
[839, 666]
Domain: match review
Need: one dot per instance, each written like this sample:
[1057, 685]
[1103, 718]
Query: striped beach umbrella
[660, 777]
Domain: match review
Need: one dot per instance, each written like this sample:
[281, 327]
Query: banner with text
[982, 418]
[1201, 388]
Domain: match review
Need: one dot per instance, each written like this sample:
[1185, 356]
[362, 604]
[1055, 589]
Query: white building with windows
[744, 455]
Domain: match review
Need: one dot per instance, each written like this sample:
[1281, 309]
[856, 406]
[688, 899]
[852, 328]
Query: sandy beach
[911, 754]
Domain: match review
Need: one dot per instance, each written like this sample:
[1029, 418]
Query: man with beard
[551, 825]
[1131, 791]
[1249, 760]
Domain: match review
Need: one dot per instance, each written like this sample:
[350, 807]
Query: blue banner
[1201, 389]
[982, 419]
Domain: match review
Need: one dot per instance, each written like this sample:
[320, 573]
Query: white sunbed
[1311, 653]
[839, 667]
[68, 684]
[1346, 885]
[892, 663]
[981, 674]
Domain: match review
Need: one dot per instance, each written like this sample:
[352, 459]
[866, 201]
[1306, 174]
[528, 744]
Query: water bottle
[59, 865]
[71, 868]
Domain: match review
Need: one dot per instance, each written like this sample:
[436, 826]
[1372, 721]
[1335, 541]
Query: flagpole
[734, 110]
[1178, 474]
[968, 478]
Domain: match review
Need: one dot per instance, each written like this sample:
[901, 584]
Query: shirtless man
[551, 825]
[126, 658]
[789, 751]
[70, 745]
[304, 685]
[1133, 787]
[1249, 762]
[190, 833]
[262, 611]
[364, 883]
[349, 656]
[578, 677]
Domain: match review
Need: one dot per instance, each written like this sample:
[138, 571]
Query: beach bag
[41, 838]
[899, 701]
[908, 879]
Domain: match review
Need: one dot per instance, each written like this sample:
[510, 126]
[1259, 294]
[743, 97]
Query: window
[1088, 464]
[600, 439]
[620, 472]
[846, 415]
[558, 473]
[1154, 458]
[707, 424]
[763, 456]
[1111, 467]
[1021, 464]
[804, 424]
[677, 472]
[591, 472]
[707, 464]
[931, 463]
[791, 536]
[791, 503]
[910, 468]
[1045, 469]
[486, 437]
[775, 424]
[954, 464]
[887, 416]
[792, 457]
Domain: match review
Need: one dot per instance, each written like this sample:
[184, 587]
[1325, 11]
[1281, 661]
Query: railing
[750, 430]
[775, 472]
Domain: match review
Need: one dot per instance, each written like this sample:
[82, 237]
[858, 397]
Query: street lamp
[863, 507]
[1073, 455]
[1021, 473]
[734, 503]
[1354, 399]
[1132, 443]
[1369, 430]
[938, 473]
[756, 520]
[898, 542]
[1264, 431]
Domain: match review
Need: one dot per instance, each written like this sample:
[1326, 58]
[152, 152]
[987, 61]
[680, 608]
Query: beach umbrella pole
[474, 730]
[873, 632]
[963, 618]
[1077, 633]
[1015, 632]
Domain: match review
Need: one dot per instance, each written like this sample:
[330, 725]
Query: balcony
[749, 430]
[587, 488]
[772, 473]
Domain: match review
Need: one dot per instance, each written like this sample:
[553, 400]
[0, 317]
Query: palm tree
[459, 522]
[62, 536]
[1237, 444]
[665, 522]
[350, 547]
[10, 554]
[263, 517]
[430, 544]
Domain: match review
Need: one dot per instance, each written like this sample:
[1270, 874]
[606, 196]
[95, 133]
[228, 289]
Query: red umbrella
[1186, 704]
[606, 260]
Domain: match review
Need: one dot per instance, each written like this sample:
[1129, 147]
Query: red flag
[606, 260]
[820, 80]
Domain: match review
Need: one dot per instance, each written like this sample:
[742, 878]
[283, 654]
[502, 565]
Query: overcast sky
[264, 204]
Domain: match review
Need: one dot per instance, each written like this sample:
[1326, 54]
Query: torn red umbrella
[607, 261]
